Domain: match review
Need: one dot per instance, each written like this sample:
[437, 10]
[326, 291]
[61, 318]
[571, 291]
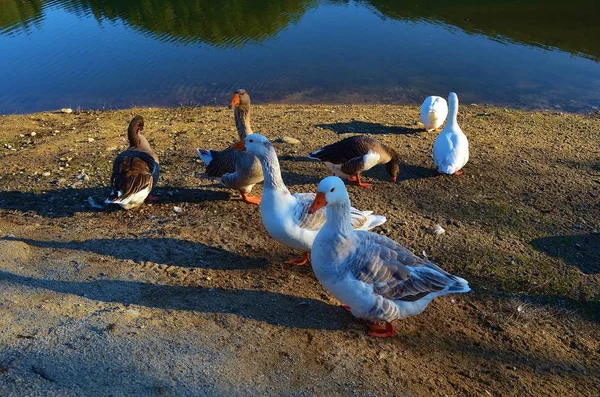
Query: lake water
[115, 54]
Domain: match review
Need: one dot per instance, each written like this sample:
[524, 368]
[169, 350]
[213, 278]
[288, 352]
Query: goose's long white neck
[272, 171]
[242, 121]
[453, 110]
[338, 219]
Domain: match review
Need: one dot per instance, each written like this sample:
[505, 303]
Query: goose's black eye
[250, 140]
[332, 189]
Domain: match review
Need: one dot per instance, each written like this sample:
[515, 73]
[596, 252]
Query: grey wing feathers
[247, 171]
[223, 162]
[303, 218]
[317, 220]
[387, 265]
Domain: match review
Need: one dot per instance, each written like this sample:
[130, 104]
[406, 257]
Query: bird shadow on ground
[581, 251]
[410, 172]
[368, 128]
[270, 307]
[62, 203]
[164, 251]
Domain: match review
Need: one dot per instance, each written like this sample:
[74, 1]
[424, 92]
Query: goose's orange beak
[318, 203]
[239, 146]
[394, 179]
[235, 100]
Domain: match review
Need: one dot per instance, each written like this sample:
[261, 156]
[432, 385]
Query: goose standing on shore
[135, 171]
[374, 277]
[285, 215]
[351, 156]
[434, 112]
[451, 147]
[235, 170]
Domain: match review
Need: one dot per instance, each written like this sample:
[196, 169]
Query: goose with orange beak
[374, 277]
[235, 170]
[286, 216]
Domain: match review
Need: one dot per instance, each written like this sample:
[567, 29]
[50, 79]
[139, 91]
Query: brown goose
[236, 170]
[351, 156]
[135, 171]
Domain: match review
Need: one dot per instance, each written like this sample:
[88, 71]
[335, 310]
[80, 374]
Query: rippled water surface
[114, 54]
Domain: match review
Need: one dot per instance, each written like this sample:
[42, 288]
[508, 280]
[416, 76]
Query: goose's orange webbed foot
[299, 261]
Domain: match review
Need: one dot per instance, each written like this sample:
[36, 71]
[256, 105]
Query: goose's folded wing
[223, 162]
[393, 270]
[316, 221]
[354, 166]
[344, 150]
[132, 173]
[302, 217]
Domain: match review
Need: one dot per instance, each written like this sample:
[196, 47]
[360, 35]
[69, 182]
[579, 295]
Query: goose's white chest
[277, 212]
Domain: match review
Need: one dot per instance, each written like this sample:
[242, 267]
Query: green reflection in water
[567, 25]
[571, 26]
[223, 23]
[15, 14]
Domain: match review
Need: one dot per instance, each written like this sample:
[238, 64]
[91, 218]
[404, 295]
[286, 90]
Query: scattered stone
[438, 230]
[83, 177]
[90, 140]
[177, 209]
[133, 312]
[47, 173]
[33, 133]
[66, 110]
[289, 140]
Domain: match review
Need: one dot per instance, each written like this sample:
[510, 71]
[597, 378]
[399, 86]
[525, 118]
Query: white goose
[434, 111]
[377, 278]
[286, 215]
[451, 147]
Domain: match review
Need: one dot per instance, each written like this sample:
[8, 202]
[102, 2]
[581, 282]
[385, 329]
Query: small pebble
[66, 110]
[47, 173]
[177, 209]
[90, 140]
[289, 140]
[438, 230]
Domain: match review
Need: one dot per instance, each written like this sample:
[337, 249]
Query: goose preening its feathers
[351, 156]
[451, 147]
[434, 112]
[377, 278]
[135, 171]
[235, 170]
[286, 216]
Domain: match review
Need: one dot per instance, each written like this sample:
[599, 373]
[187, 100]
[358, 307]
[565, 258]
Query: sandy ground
[200, 302]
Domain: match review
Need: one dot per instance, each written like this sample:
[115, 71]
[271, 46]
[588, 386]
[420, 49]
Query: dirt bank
[200, 301]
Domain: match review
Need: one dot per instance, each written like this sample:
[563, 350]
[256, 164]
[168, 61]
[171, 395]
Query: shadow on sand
[364, 127]
[62, 203]
[270, 307]
[581, 250]
[164, 251]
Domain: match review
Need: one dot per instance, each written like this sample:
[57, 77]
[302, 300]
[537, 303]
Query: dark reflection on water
[570, 26]
[95, 54]
[223, 23]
